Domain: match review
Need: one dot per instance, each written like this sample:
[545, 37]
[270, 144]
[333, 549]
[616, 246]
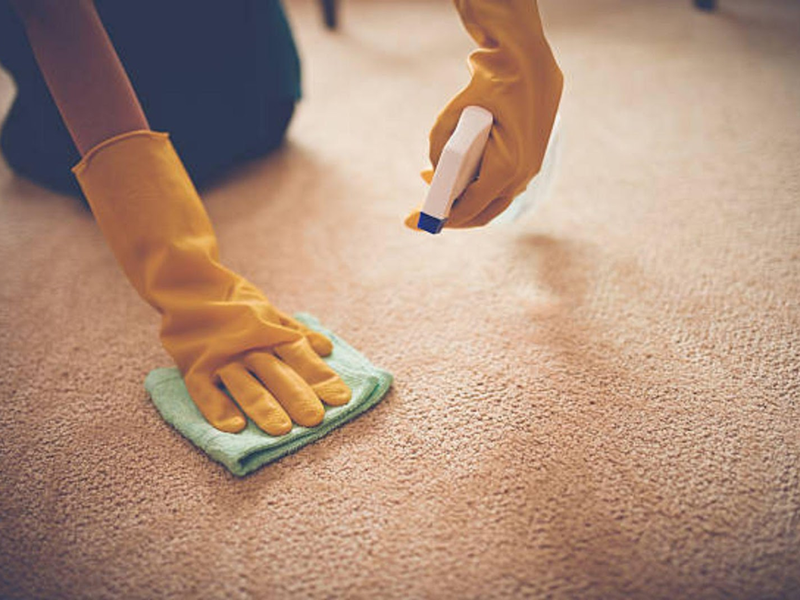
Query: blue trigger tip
[429, 223]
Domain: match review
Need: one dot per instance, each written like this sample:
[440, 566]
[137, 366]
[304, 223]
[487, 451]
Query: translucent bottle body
[540, 186]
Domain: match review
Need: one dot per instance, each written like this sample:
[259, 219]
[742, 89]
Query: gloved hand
[516, 78]
[218, 327]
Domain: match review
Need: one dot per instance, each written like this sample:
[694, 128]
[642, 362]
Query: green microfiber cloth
[251, 448]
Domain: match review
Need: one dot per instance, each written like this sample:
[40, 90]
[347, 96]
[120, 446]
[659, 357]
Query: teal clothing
[222, 76]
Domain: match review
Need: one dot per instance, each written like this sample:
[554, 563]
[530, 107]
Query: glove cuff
[153, 219]
[150, 214]
[80, 168]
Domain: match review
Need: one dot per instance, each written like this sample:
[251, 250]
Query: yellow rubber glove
[516, 78]
[218, 327]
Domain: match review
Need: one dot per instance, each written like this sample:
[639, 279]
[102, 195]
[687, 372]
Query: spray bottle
[459, 165]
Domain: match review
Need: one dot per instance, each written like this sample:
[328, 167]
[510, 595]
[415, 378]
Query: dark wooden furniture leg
[329, 13]
[706, 4]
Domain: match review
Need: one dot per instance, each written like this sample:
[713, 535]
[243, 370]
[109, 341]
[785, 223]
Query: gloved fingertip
[217, 407]
[334, 392]
[490, 213]
[412, 220]
[232, 424]
[320, 343]
[470, 204]
[277, 426]
[427, 175]
[309, 415]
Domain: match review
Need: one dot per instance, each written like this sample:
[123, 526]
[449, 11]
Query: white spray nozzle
[457, 168]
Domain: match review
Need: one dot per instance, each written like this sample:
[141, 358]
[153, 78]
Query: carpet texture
[599, 403]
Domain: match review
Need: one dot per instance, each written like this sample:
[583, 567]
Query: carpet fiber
[601, 402]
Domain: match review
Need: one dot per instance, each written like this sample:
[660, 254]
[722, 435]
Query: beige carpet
[599, 403]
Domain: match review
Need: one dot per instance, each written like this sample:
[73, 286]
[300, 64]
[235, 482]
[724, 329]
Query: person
[226, 87]
[222, 77]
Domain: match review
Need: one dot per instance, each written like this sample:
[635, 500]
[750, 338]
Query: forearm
[82, 70]
[507, 29]
[516, 16]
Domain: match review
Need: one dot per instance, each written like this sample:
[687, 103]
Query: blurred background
[600, 401]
